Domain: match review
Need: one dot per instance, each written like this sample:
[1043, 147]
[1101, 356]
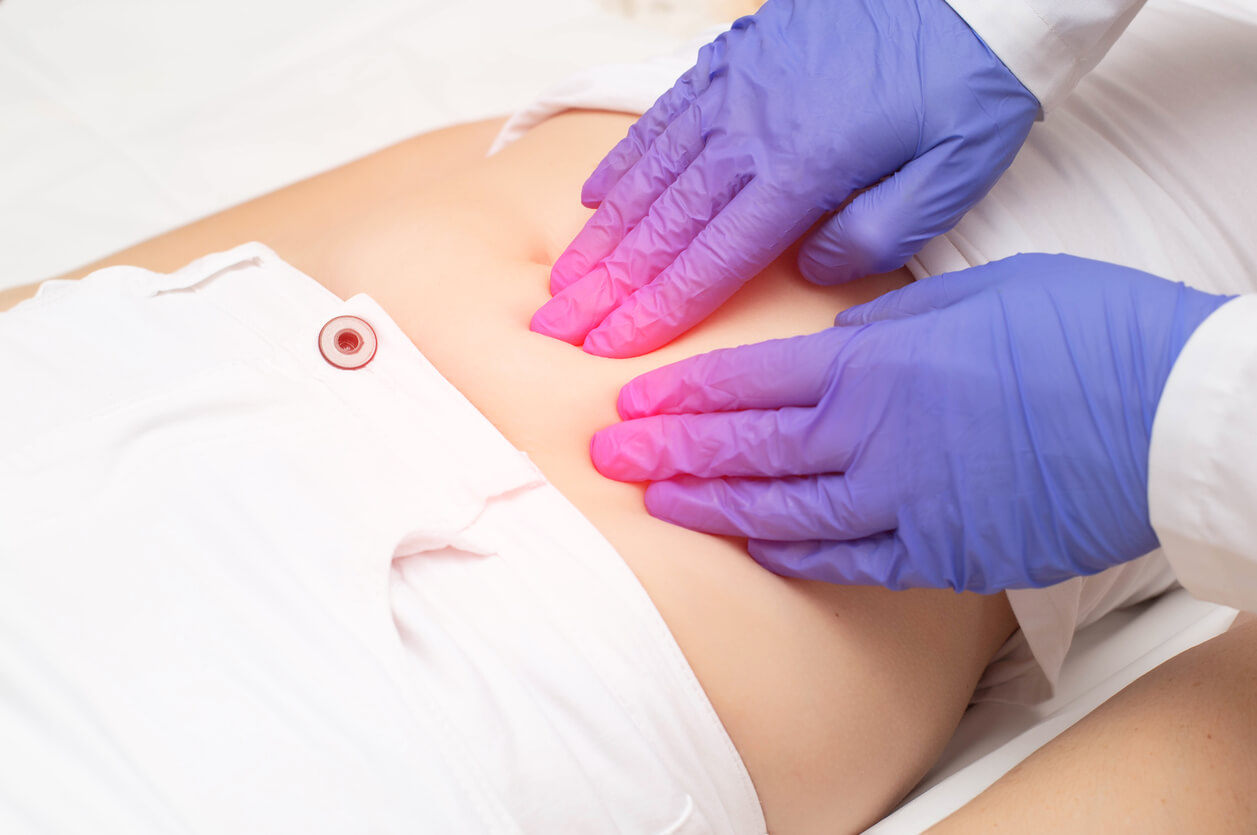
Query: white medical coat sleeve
[1048, 44]
[1202, 469]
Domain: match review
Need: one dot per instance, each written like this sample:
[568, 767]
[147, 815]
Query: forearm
[1202, 467]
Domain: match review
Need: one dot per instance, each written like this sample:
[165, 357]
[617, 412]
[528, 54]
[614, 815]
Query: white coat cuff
[1048, 44]
[1202, 469]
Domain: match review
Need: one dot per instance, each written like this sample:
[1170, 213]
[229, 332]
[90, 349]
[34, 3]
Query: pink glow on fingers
[569, 268]
[602, 453]
[669, 389]
[634, 400]
[617, 451]
[553, 319]
[600, 344]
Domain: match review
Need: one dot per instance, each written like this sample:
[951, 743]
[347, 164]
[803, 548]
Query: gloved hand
[781, 120]
[980, 430]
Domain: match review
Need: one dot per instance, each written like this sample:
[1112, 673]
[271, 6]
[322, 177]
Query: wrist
[1193, 307]
[1200, 486]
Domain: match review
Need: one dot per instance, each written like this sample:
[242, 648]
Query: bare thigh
[1176, 751]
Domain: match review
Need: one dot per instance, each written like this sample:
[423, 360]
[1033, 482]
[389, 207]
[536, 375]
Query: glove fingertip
[554, 319]
[568, 268]
[823, 269]
[808, 560]
[602, 452]
[671, 502]
[631, 403]
[612, 340]
[598, 184]
[780, 558]
[592, 194]
[854, 315]
[878, 231]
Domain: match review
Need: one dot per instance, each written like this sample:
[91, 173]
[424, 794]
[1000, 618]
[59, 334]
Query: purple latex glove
[782, 119]
[981, 430]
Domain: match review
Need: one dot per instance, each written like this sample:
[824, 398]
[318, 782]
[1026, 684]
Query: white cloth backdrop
[121, 120]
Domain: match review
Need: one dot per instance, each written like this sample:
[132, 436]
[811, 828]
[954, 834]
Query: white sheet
[119, 121]
[245, 590]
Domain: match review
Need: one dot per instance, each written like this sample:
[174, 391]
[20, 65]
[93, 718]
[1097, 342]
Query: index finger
[753, 229]
[794, 371]
[762, 443]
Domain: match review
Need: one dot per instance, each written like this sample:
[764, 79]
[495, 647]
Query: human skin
[837, 698]
[1173, 752]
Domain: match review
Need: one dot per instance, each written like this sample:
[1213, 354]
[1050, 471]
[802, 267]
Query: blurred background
[121, 120]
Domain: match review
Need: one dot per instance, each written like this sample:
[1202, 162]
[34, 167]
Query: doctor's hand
[980, 430]
[783, 118]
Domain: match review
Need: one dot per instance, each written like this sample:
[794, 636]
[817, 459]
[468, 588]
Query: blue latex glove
[782, 119]
[981, 430]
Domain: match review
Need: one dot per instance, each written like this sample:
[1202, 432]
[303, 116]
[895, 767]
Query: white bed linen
[119, 121]
[243, 589]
